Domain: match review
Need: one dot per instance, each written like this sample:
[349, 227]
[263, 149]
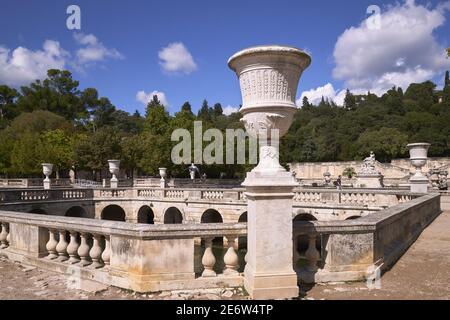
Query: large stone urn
[163, 174]
[268, 77]
[114, 169]
[418, 154]
[47, 169]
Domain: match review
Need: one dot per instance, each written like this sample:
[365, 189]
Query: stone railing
[353, 197]
[358, 249]
[39, 195]
[31, 183]
[131, 256]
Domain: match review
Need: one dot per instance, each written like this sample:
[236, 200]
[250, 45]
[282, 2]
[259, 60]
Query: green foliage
[54, 121]
[349, 172]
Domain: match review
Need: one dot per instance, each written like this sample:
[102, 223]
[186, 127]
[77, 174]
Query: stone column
[269, 77]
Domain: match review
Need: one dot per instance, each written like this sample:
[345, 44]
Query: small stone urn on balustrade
[268, 77]
[47, 169]
[163, 174]
[418, 154]
[114, 169]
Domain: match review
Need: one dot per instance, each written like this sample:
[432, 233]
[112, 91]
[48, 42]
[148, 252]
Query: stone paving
[29, 283]
[422, 273]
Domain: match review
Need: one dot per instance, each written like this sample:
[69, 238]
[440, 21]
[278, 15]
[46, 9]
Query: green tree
[57, 148]
[8, 108]
[349, 172]
[386, 143]
[26, 155]
[204, 114]
[94, 151]
[349, 100]
[156, 118]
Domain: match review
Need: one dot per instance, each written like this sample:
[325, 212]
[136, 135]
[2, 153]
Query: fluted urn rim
[270, 49]
[418, 144]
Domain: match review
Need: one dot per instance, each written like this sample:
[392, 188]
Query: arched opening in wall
[145, 215]
[242, 244]
[353, 218]
[243, 217]
[211, 216]
[38, 211]
[305, 217]
[76, 212]
[173, 216]
[113, 212]
[301, 243]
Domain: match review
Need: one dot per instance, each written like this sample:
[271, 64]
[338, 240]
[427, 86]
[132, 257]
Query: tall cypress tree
[447, 79]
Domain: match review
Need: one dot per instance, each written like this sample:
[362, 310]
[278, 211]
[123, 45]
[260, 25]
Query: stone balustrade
[32, 182]
[40, 195]
[354, 249]
[132, 256]
[355, 197]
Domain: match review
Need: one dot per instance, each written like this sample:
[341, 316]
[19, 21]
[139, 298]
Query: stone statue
[368, 167]
[368, 176]
[192, 170]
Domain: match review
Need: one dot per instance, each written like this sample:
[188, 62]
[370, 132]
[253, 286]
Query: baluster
[72, 248]
[208, 259]
[231, 258]
[61, 248]
[51, 245]
[4, 236]
[83, 250]
[106, 255]
[96, 252]
[312, 254]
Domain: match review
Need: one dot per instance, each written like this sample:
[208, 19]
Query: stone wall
[359, 249]
[398, 169]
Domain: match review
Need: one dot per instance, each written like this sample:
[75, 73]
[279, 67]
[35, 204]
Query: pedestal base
[271, 286]
[418, 184]
[269, 273]
[47, 184]
[114, 184]
[163, 184]
[369, 181]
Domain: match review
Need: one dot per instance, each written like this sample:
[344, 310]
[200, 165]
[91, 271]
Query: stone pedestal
[418, 184]
[269, 272]
[114, 183]
[47, 184]
[369, 181]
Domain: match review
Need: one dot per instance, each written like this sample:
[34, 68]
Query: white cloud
[229, 110]
[145, 98]
[22, 66]
[327, 92]
[403, 50]
[93, 50]
[175, 58]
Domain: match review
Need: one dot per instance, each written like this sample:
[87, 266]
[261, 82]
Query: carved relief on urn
[268, 77]
[418, 154]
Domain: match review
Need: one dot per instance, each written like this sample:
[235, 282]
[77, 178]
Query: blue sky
[120, 47]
